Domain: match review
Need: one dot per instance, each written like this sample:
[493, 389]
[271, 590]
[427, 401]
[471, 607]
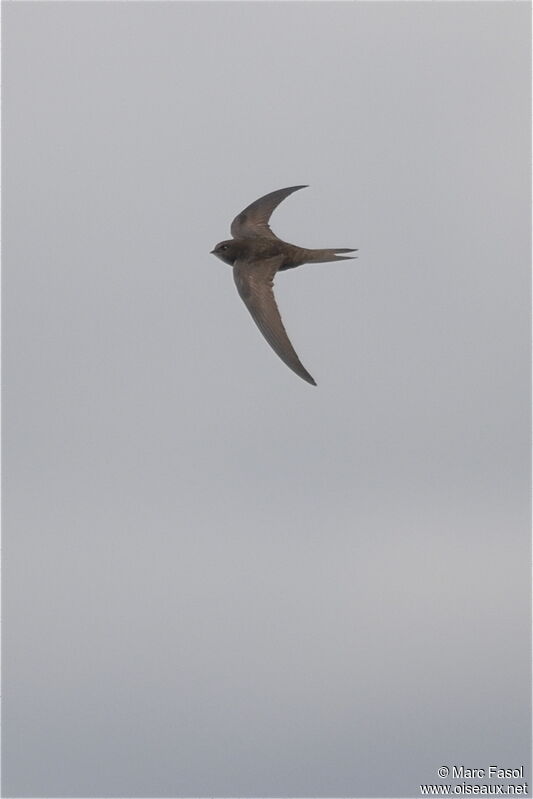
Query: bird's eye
[224, 247]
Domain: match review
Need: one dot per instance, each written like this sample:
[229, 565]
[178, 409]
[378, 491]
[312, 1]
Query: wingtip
[302, 372]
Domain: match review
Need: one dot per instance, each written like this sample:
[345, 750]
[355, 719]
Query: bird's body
[256, 254]
[259, 248]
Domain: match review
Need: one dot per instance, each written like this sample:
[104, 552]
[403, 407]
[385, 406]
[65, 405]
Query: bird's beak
[212, 252]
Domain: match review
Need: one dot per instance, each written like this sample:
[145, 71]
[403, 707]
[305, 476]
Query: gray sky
[219, 580]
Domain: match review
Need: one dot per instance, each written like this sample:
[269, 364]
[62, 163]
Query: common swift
[256, 254]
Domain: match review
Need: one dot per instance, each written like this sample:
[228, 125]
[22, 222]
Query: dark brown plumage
[256, 254]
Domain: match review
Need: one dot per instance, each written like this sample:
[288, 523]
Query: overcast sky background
[219, 580]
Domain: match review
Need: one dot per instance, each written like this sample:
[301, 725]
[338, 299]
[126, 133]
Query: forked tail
[321, 256]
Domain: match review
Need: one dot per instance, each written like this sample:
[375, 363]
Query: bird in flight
[256, 254]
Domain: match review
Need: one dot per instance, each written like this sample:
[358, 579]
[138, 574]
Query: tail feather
[322, 256]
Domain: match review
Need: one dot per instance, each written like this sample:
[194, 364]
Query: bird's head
[227, 251]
